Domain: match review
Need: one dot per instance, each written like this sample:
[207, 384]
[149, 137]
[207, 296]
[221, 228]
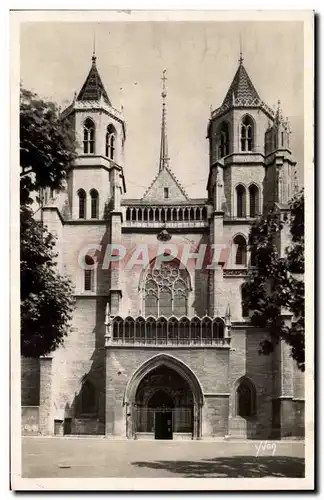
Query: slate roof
[93, 87]
[241, 86]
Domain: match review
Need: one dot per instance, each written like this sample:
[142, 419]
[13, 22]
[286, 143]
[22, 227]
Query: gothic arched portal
[164, 397]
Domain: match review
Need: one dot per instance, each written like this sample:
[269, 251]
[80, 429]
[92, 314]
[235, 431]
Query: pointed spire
[241, 87]
[279, 118]
[164, 159]
[93, 88]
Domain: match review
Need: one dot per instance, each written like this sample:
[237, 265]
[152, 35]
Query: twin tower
[251, 166]
[168, 352]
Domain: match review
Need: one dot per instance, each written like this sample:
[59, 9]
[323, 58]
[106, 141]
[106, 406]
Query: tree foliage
[46, 145]
[46, 296]
[275, 287]
[46, 151]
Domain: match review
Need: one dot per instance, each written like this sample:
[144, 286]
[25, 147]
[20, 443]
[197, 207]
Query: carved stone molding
[164, 235]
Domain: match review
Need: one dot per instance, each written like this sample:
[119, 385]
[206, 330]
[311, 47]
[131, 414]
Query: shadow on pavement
[240, 466]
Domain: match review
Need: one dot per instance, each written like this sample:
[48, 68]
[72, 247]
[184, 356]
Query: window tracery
[247, 133]
[89, 137]
[166, 290]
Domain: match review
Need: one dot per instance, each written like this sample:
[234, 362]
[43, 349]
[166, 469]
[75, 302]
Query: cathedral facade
[160, 346]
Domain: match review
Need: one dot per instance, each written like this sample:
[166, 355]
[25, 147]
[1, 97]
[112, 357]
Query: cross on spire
[94, 49]
[164, 160]
[164, 79]
[241, 52]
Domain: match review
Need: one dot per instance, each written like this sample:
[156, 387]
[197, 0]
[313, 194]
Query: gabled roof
[241, 87]
[165, 178]
[93, 88]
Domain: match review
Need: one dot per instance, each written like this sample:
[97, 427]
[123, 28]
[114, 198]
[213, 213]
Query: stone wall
[245, 360]
[29, 381]
[210, 366]
[81, 358]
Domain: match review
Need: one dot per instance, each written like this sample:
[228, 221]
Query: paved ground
[99, 457]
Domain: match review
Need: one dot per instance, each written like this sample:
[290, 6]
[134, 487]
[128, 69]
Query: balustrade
[171, 332]
[166, 214]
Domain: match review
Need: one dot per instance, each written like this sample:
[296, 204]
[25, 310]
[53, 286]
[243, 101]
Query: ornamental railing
[151, 215]
[170, 332]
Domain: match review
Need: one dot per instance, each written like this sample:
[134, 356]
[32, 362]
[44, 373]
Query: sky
[201, 59]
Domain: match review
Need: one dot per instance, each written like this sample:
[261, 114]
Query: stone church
[160, 347]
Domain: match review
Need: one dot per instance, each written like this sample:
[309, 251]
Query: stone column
[116, 218]
[110, 394]
[46, 423]
[110, 410]
[115, 286]
[216, 305]
[115, 424]
[283, 392]
[197, 421]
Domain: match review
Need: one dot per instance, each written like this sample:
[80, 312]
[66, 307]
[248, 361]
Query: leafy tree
[46, 296]
[275, 285]
[46, 151]
[46, 146]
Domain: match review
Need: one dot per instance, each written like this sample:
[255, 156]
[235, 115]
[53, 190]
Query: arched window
[140, 330]
[184, 325]
[206, 330]
[94, 203]
[88, 397]
[161, 330]
[173, 330]
[118, 330]
[240, 201]
[223, 140]
[82, 203]
[110, 142]
[88, 137]
[254, 200]
[129, 330]
[247, 134]
[151, 331]
[166, 290]
[89, 275]
[240, 255]
[218, 329]
[245, 399]
[195, 326]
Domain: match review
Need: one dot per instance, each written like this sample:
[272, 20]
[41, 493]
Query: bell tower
[281, 176]
[236, 134]
[96, 179]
